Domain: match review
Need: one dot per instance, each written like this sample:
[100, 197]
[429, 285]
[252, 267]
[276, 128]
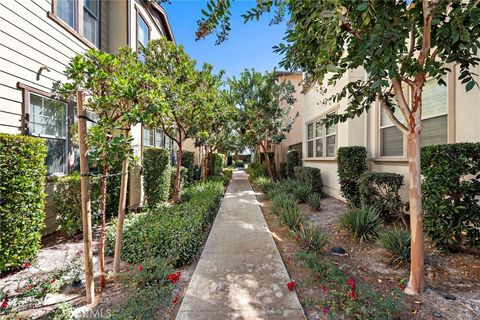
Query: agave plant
[292, 216]
[314, 237]
[362, 223]
[397, 243]
[314, 201]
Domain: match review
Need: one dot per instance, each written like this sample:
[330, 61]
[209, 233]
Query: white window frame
[324, 136]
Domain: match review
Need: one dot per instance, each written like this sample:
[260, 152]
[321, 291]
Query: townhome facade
[450, 115]
[37, 40]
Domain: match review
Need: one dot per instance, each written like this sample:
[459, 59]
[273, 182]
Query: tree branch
[427, 30]
[402, 102]
[392, 117]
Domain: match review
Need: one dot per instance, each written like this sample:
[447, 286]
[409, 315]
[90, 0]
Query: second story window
[90, 20]
[79, 17]
[143, 34]
[321, 139]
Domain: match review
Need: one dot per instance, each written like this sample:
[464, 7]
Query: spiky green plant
[314, 201]
[362, 223]
[264, 184]
[397, 243]
[292, 216]
[314, 237]
[302, 191]
[281, 201]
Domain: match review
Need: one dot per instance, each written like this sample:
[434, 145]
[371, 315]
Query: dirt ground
[453, 280]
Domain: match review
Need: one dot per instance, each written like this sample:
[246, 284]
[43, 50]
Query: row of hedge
[171, 233]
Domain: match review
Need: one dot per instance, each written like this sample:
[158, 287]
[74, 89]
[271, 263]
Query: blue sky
[249, 45]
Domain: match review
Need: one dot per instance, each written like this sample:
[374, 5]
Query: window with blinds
[321, 140]
[434, 122]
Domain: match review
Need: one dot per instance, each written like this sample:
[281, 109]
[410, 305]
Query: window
[79, 17]
[48, 119]
[90, 20]
[67, 11]
[434, 122]
[143, 35]
[158, 138]
[321, 140]
[153, 138]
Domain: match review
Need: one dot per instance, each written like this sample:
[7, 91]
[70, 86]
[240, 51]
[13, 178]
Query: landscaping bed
[449, 276]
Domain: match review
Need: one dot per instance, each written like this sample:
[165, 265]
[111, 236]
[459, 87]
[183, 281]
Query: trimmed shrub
[282, 172]
[22, 198]
[218, 162]
[188, 163]
[361, 223]
[313, 237]
[310, 176]
[156, 175]
[228, 172]
[68, 203]
[293, 160]
[197, 173]
[381, 191]
[352, 163]
[291, 216]
[171, 233]
[314, 201]
[451, 191]
[397, 243]
[302, 191]
[239, 164]
[255, 170]
[229, 160]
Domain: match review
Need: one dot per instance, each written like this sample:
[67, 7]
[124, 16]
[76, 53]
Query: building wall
[463, 120]
[294, 137]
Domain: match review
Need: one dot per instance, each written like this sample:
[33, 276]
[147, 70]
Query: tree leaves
[362, 6]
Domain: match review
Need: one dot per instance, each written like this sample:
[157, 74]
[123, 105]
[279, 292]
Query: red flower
[29, 286]
[326, 310]
[353, 294]
[4, 303]
[351, 283]
[297, 238]
[175, 299]
[402, 287]
[325, 289]
[78, 254]
[26, 265]
[291, 285]
[140, 268]
[173, 277]
[53, 280]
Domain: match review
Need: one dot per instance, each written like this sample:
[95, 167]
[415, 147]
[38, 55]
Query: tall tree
[111, 82]
[399, 44]
[179, 95]
[264, 103]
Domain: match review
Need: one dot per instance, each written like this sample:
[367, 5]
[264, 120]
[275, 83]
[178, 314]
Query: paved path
[240, 274]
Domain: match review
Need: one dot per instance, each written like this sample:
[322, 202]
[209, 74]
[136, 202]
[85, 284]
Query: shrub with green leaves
[156, 175]
[68, 205]
[314, 201]
[188, 162]
[172, 233]
[397, 243]
[302, 191]
[256, 170]
[218, 162]
[352, 163]
[22, 198]
[380, 190]
[228, 172]
[451, 192]
[282, 171]
[310, 176]
[183, 177]
[239, 164]
[362, 223]
[291, 216]
[293, 160]
[313, 237]
[263, 184]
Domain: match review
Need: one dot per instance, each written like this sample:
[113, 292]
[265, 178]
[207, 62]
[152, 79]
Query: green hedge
[256, 170]
[380, 190]
[68, 206]
[22, 198]
[188, 162]
[310, 176]
[228, 172]
[156, 175]
[171, 233]
[352, 163]
[293, 160]
[451, 190]
[218, 161]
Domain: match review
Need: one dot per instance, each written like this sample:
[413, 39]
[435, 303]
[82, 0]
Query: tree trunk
[101, 244]
[210, 162]
[204, 165]
[121, 213]
[177, 185]
[416, 282]
[267, 161]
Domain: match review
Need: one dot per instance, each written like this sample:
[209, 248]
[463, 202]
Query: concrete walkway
[240, 274]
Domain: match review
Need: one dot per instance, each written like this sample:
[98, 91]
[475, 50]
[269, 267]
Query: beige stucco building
[293, 138]
[450, 114]
[37, 40]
